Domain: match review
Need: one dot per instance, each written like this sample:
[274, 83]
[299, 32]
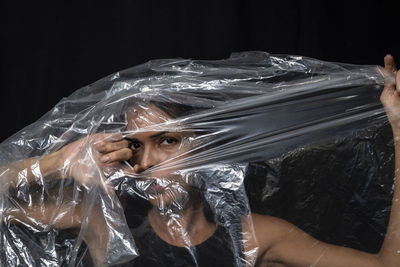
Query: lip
[154, 188]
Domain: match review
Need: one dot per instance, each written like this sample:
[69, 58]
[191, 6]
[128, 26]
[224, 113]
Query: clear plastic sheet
[191, 146]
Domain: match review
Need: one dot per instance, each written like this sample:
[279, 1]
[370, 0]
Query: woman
[177, 216]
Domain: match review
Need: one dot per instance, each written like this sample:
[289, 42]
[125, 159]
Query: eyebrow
[152, 136]
[158, 134]
[131, 139]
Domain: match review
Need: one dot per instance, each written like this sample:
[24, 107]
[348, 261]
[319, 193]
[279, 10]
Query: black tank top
[155, 252]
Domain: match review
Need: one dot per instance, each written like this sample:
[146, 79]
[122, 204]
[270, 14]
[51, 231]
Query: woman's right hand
[91, 159]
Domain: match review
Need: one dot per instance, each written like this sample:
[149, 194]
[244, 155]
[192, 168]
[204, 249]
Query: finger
[390, 65]
[398, 83]
[119, 155]
[389, 71]
[387, 93]
[107, 147]
[388, 90]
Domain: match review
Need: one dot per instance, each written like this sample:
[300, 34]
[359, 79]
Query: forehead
[142, 116]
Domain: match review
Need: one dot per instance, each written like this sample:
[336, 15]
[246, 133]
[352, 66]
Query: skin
[280, 243]
[174, 196]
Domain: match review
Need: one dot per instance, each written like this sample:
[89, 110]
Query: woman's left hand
[390, 96]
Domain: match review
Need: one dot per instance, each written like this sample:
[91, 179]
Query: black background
[51, 49]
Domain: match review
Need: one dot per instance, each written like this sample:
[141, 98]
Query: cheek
[159, 155]
[164, 154]
[169, 154]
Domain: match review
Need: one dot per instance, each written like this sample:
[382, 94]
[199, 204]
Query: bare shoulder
[273, 226]
[284, 243]
[270, 230]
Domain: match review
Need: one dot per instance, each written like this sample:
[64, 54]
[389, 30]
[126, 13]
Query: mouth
[148, 187]
[155, 188]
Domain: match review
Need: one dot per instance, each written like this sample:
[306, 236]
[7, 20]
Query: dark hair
[173, 109]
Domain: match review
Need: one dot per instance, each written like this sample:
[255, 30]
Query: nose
[147, 160]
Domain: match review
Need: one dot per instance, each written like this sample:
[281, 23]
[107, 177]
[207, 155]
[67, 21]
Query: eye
[168, 141]
[135, 146]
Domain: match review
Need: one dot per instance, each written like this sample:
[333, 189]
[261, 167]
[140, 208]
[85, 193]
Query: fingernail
[105, 158]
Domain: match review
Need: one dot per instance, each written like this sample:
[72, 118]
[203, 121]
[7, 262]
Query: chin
[170, 200]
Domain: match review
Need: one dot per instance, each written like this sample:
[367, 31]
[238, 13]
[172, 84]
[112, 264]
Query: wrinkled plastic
[306, 139]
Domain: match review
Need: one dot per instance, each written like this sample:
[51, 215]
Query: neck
[186, 227]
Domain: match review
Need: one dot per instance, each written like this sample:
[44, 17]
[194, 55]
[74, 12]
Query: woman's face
[154, 147]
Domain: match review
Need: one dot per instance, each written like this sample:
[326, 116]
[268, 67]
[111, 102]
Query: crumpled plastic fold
[288, 136]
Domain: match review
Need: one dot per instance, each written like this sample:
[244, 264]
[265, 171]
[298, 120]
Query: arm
[73, 161]
[23, 171]
[389, 253]
[282, 242]
[66, 215]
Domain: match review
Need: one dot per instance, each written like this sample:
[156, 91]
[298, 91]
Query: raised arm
[11, 175]
[72, 161]
[283, 243]
[81, 160]
[389, 254]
